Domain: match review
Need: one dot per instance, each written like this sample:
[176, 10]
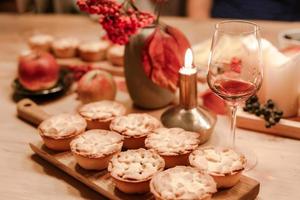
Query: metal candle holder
[188, 115]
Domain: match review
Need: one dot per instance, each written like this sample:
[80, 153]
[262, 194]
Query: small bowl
[289, 38]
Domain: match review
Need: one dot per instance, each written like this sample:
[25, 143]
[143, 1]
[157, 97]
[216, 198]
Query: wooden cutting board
[100, 181]
[103, 65]
[289, 127]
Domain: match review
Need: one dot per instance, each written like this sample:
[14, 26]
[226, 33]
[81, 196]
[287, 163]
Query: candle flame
[188, 59]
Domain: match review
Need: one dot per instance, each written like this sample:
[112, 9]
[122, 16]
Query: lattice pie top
[62, 126]
[182, 182]
[97, 143]
[172, 141]
[135, 165]
[94, 46]
[217, 160]
[65, 43]
[135, 125]
[102, 110]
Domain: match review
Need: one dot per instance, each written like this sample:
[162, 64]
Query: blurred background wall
[172, 7]
[288, 10]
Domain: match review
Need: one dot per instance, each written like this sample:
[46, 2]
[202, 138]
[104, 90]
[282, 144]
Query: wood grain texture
[286, 127]
[101, 182]
[31, 112]
[25, 176]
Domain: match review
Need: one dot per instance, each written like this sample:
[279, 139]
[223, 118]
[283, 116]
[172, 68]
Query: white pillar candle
[281, 80]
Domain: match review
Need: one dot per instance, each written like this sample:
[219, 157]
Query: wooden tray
[101, 182]
[103, 65]
[289, 127]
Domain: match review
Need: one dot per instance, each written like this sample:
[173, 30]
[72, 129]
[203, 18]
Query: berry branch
[119, 20]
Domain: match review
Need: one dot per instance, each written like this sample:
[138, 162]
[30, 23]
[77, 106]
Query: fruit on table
[37, 70]
[269, 112]
[96, 85]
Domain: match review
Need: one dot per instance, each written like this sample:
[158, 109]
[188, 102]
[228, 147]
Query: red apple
[38, 71]
[96, 85]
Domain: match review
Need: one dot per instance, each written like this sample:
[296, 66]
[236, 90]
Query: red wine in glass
[234, 90]
[235, 68]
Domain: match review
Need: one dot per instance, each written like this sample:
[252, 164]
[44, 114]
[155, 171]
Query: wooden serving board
[101, 182]
[103, 65]
[289, 127]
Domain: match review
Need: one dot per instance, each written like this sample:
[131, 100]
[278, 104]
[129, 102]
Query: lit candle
[188, 82]
[188, 115]
[188, 68]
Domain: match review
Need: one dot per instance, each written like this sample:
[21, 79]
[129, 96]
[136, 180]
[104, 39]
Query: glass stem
[233, 125]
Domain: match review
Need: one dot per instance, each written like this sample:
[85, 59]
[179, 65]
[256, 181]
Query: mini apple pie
[173, 144]
[40, 42]
[94, 148]
[100, 114]
[182, 182]
[59, 130]
[65, 47]
[134, 127]
[93, 51]
[223, 164]
[132, 170]
[115, 55]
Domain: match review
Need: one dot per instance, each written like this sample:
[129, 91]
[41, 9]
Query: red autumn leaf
[163, 55]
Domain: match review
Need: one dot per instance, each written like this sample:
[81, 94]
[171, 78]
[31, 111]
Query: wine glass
[235, 68]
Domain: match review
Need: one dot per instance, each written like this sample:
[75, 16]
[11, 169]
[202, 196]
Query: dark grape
[253, 99]
[268, 124]
[270, 104]
[267, 117]
[256, 105]
[258, 112]
[277, 118]
[269, 111]
[279, 112]
[272, 121]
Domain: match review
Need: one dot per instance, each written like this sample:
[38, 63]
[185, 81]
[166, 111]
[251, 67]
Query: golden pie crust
[135, 124]
[182, 182]
[100, 114]
[217, 160]
[172, 141]
[115, 55]
[65, 43]
[58, 131]
[102, 110]
[93, 51]
[132, 170]
[94, 148]
[224, 164]
[97, 143]
[62, 126]
[40, 42]
[135, 127]
[65, 47]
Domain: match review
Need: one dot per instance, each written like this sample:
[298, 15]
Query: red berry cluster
[119, 21]
[99, 7]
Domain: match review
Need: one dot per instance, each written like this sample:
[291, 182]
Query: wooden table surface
[26, 176]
